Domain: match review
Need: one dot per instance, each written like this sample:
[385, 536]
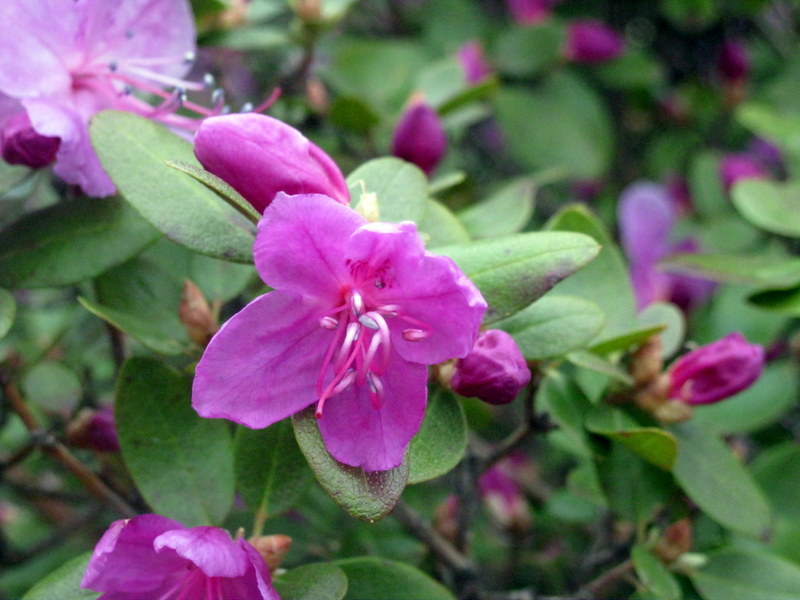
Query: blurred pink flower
[151, 556]
[357, 312]
[419, 136]
[473, 62]
[735, 167]
[733, 64]
[592, 42]
[530, 12]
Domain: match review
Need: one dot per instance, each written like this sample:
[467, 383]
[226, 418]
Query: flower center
[361, 346]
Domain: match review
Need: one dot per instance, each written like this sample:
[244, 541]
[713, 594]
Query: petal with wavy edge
[210, 548]
[262, 365]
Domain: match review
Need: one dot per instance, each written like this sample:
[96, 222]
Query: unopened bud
[732, 64]
[505, 501]
[494, 371]
[592, 42]
[646, 361]
[419, 136]
[272, 548]
[445, 518]
[22, 145]
[675, 541]
[94, 430]
[196, 314]
[308, 11]
[673, 411]
[473, 62]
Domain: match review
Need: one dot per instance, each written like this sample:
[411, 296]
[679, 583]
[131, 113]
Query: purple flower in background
[646, 216]
[151, 556]
[19, 142]
[359, 310]
[716, 371]
[494, 370]
[473, 62]
[768, 154]
[260, 156]
[65, 60]
[95, 430]
[592, 42]
[530, 12]
[419, 136]
[504, 498]
[732, 62]
[735, 167]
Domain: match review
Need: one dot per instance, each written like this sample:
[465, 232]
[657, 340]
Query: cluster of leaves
[90, 292]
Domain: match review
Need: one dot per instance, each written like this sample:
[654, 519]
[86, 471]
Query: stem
[601, 585]
[258, 521]
[56, 450]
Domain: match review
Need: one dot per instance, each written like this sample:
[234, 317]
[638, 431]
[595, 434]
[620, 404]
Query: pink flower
[494, 370]
[473, 62]
[732, 64]
[735, 167]
[419, 137]
[716, 371]
[260, 156]
[150, 556]
[65, 60]
[592, 42]
[530, 12]
[19, 142]
[504, 498]
[358, 310]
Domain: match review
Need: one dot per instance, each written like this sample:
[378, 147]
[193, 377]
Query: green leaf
[553, 326]
[371, 578]
[711, 476]
[600, 364]
[777, 471]
[780, 128]
[654, 575]
[440, 226]
[506, 211]
[513, 271]
[366, 495]
[634, 70]
[133, 151]
[671, 319]
[317, 581]
[774, 207]
[441, 441]
[181, 463]
[782, 302]
[559, 122]
[400, 187]
[736, 575]
[52, 386]
[606, 279]
[71, 241]
[627, 340]
[567, 406]
[11, 176]
[705, 184]
[653, 444]
[64, 583]
[271, 473]
[8, 311]
[350, 112]
[219, 187]
[141, 299]
[526, 50]
[759, 269]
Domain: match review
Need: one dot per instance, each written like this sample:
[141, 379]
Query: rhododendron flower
[260, 156]
[473, 62]
[530, 12]
[65, 60]
[419, 136]
[592, 42]
[151, 556]
[736, 167]
[716, 371]
[358, 310]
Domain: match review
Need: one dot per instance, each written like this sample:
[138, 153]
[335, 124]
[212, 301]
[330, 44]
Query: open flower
[65, 60]
[358, 310]
[151, 556]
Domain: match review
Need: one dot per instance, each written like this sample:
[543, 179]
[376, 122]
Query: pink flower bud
[94, 430]
[21, 145]
[592, 42]
[473, 62]
[419, 137]
[734, 167]
[530, 12]
[732, 63]
[504, 499]
[716, 371]
[494, 371]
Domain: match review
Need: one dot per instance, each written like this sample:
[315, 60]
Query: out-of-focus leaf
[64, 583]
[553, 326]
[782, 128]
[744, 268]
[317, 581]
[133, 150]
[513, 271]
[566, 405]
[353, 114]
[8, 310]
[705, 184]
[634, 70]
[774, 207]
[732, 574]
[711, 476]
[506, 211]
[600, 364]
[271, 473]
[654, 575]
[400, 187]
[181, 463]
[52, 386]
[441, 441]
[366, 495]
[441, 227]
[669, 316]
[777, 471]
[71, 241]
[525, 50]
[371, 578]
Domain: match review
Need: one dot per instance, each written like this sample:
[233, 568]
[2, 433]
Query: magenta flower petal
[530, 12]
[473, 62]
[300, 243]
[592, 42]
[260, 156]
[646, 217]
[210, 548]
[419, 137]
[249, 373]
[22, 145]
[372, 437]
[736, 167]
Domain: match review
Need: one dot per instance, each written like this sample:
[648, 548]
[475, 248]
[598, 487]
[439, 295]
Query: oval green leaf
[736, 575]
[8, 311]
[64, 583]
[371, 578]
[774, 207]
[400, 187]
[441, 441]
[654, 575]
[317, 581]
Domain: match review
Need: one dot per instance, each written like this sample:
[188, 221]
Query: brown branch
[603, 584]
[56, 450]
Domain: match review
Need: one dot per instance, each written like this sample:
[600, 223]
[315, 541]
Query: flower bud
[529, 12]
[196, 315]
[419, 136]
[94, 430]
[260, 156]
[272, 548]
[732, 63]
[735, 167]
[21, 145]
[505, 500]
[494, 371]
[445, 518]
[473, 62]
[675, 541]
[592, 42]
[716, 371]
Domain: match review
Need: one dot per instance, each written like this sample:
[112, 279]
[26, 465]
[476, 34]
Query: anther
[127, 89]
[357, 304]
[130, 33]
[389, 310]
[368, 321]
[414, 335]
[376, 391]
[209, 80]
[346, 382]
[181, 95]
[246, 107]
[112, 66]
[218, 98]
[329, 322]
[189, 57]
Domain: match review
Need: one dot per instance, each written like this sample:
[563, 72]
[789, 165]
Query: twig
[460, 564]
[55, 449]
[601, 585]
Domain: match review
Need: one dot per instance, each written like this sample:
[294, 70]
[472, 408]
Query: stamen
[189, 57]
[329, 323]
[271, 99]
[346, 382]
[218, 98]
[375, 391]
[368, 321]
[389, 310]
[414, 335]
[328, 355]
[357, 304]
[350, 336]
[209, 80]
[382, 339]
[246, 107]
